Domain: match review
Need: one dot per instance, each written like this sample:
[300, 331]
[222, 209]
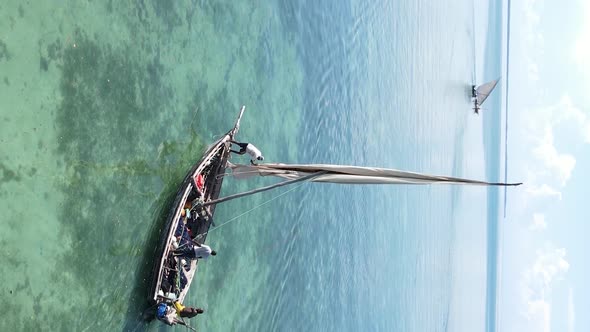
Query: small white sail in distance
[483, 91]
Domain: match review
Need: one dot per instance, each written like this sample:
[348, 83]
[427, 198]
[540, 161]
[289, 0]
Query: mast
[259, 190]
[234, 131]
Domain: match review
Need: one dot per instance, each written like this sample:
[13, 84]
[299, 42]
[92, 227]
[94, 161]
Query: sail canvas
[483, 91]
[345, 174]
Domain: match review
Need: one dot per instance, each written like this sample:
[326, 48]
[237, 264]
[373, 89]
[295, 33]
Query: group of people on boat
[474, 98]
[185, 247]
[172, 311]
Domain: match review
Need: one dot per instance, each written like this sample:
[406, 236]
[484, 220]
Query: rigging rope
[252, 209]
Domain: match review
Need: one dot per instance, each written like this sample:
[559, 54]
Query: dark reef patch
[43, 63]
[8, 175]
[4, 53]
[54, 50]
[126, 146]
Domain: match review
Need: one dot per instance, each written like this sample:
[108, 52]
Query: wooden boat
[199, 195]
[172, 279]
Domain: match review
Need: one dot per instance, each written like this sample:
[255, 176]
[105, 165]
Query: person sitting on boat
[198, 251]
[188, 312]
[166, 314]
[250, 149]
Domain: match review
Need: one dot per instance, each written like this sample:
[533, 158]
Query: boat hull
[202, 184]
[214, 162]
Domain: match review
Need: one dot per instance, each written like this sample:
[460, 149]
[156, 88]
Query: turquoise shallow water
[106, 105]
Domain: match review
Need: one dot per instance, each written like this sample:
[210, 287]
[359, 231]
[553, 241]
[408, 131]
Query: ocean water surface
[105, 105]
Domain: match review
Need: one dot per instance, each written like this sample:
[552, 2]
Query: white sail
[349, 174]
[483, 91]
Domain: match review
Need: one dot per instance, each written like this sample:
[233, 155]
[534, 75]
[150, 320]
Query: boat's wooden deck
[214, 163]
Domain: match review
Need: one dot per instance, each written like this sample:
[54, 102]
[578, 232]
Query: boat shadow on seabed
[141, 312]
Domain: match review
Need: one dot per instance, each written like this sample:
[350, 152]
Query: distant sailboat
[481, 93]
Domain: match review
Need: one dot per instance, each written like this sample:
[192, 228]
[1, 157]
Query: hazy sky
[545, 271]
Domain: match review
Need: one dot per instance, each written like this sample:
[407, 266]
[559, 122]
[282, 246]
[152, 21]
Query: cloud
[533, 71]
[540, 133]
[544, 191]
[566, 111]
[550, 130]
[541, 121]
[539, 223]
[560, 164]
[549, 267]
